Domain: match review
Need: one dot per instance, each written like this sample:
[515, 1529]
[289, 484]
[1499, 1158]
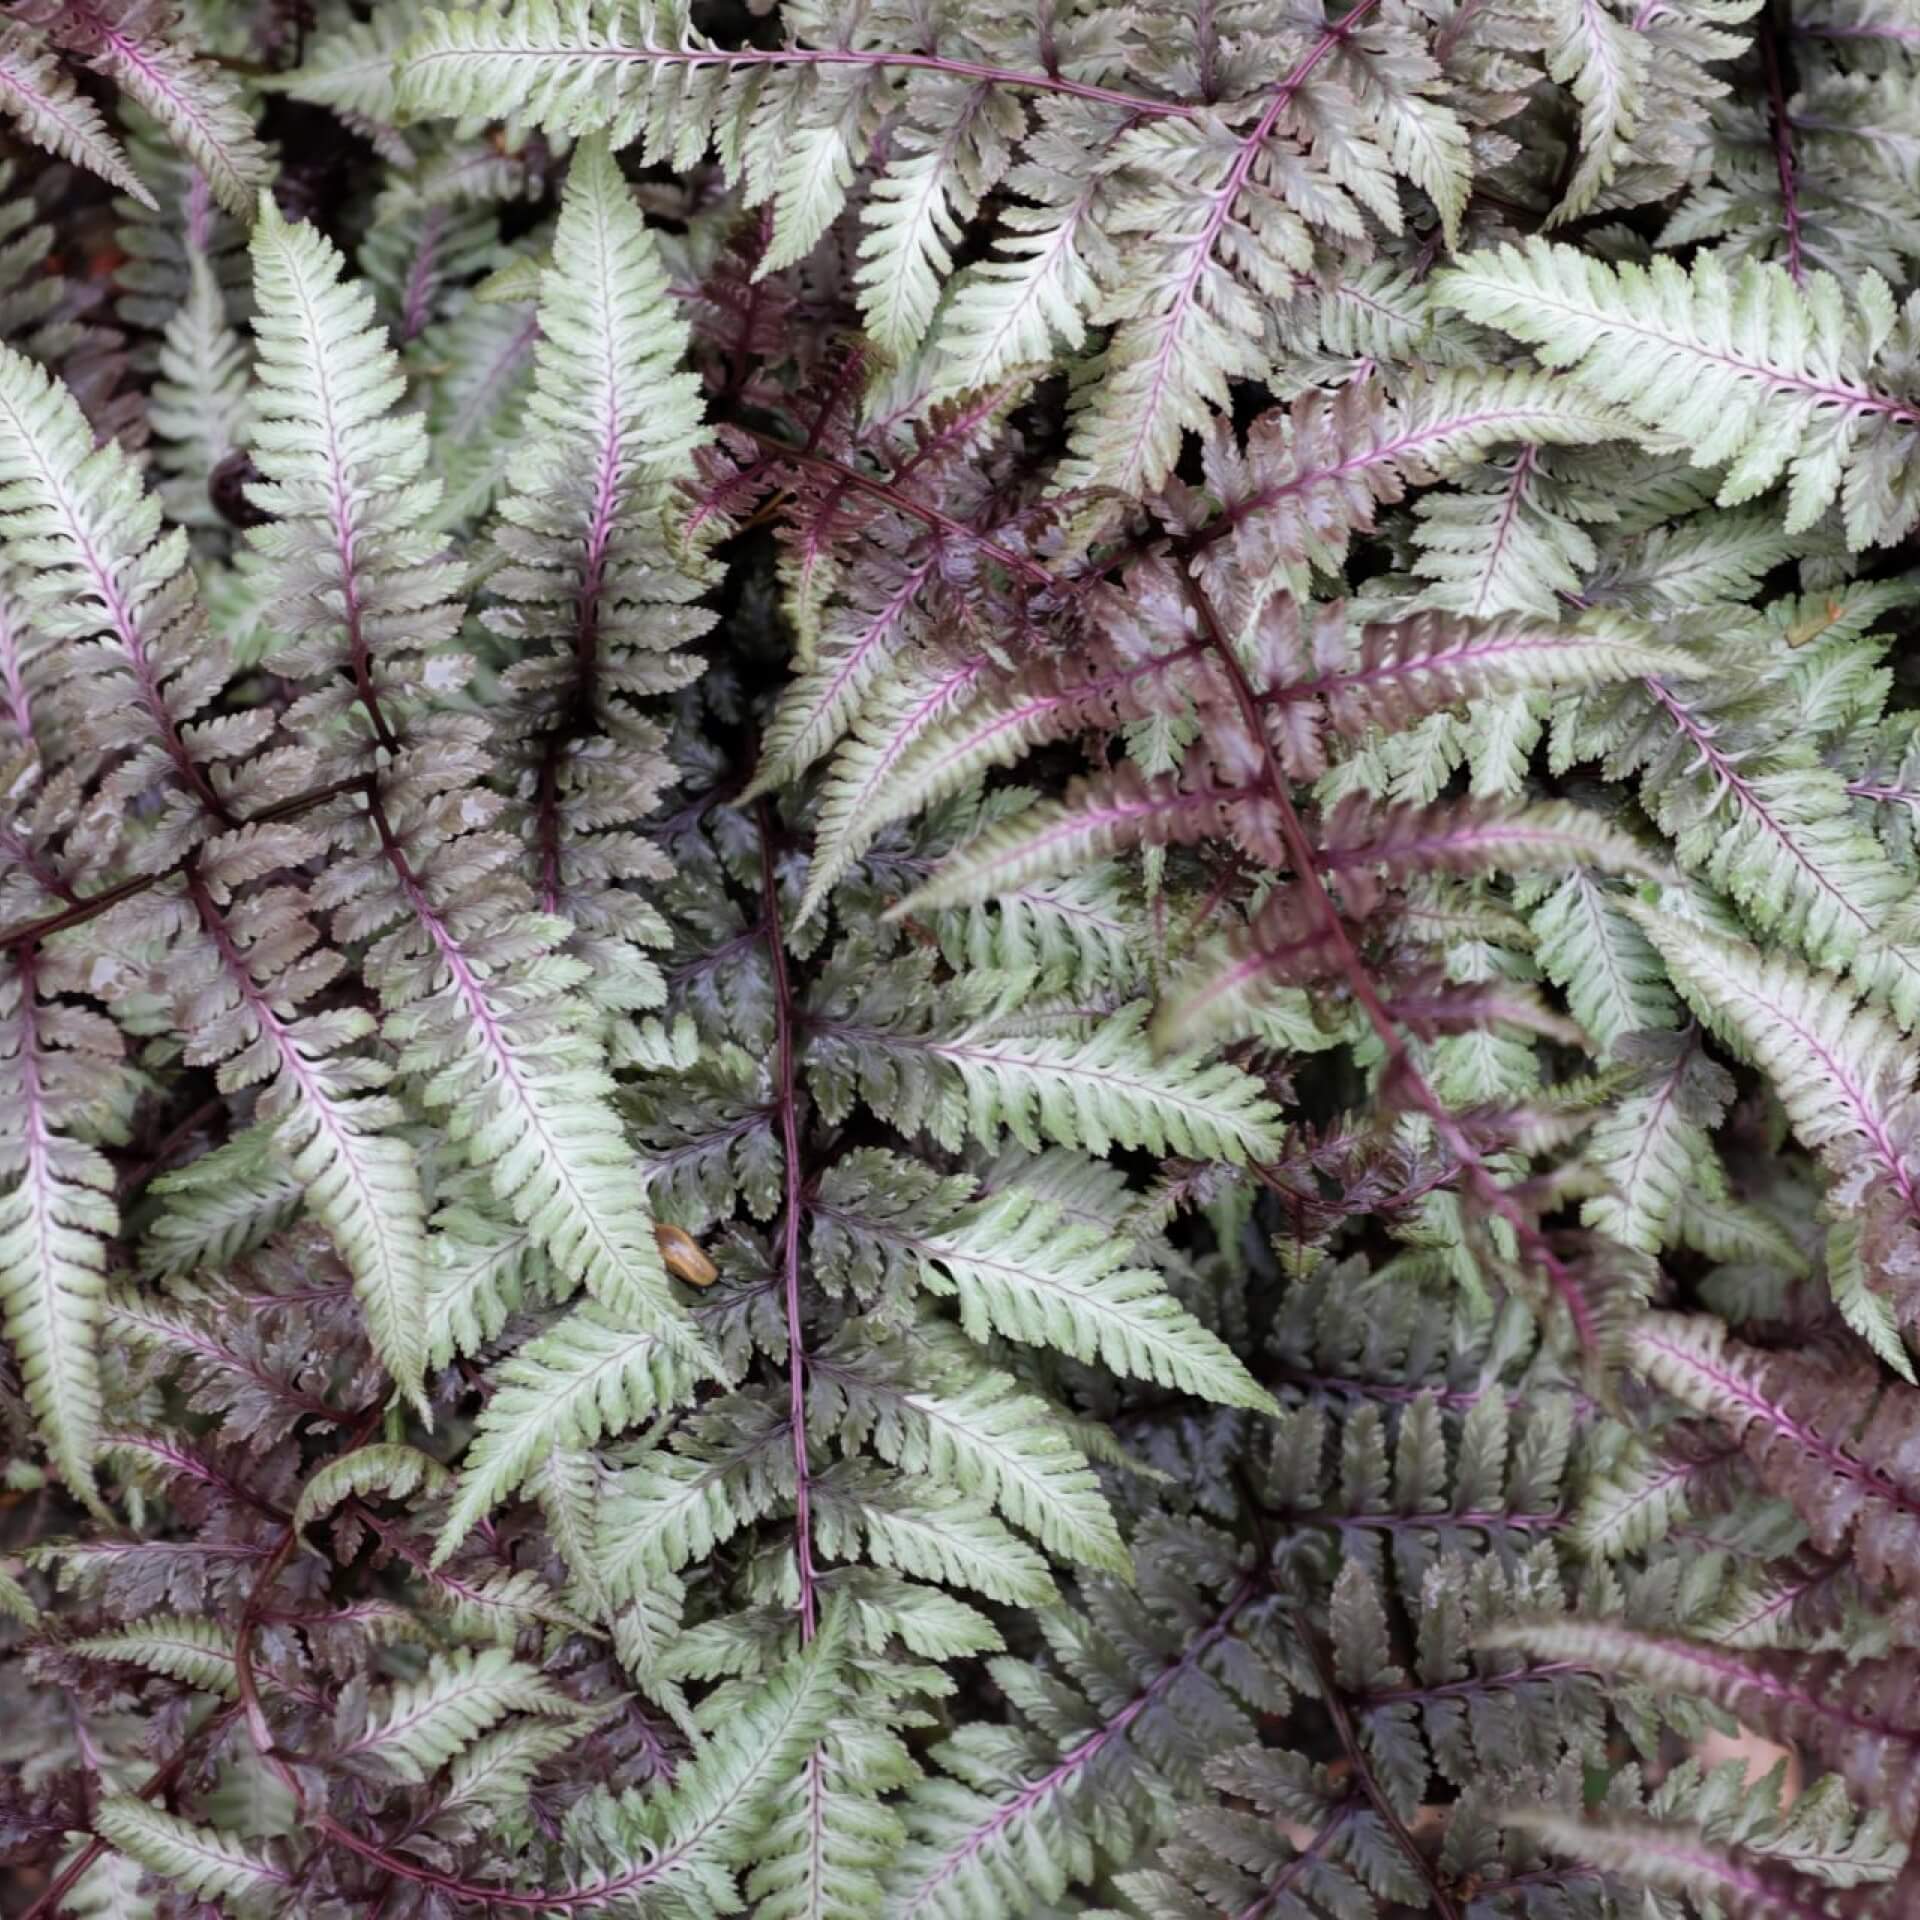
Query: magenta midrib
[1263, 959]
[1381, 453]
[130, 51]
[1071, 1763]
[1200, 249]
[1757, 1406]
[384, 1734]
[586, 615]
[1775, 1688]
[292, 1061]
[1509, 513]
[481, 1012]
[1870, 1122]
[1523, 645]
[1847, 30]
[1854, 399]
[1476, 1684]
[339, 511]
[1726, 771]
[1075, 825]
[954, 1255]
[120, 618]
[874, 635]
[1040, 267]
[1886, 795]
[834, 57]
[1643, 1141]
[1728, 1872]
[987, 1056]
[907, 732]
[425, 257]
[1014, 718]
[1485, 836]
[168, 1332]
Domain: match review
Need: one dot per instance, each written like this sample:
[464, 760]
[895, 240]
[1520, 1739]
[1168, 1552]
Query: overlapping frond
[1745, 367]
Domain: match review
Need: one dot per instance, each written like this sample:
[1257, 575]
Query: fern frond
[104, 572]
[587, 1376]
[493, 1778]
[1305, 479]
[483, 1271]
[727, 1467]
[56, 1211]
[984, 1436]
[1401, 671]
[1678, 1860]
[1013, 1818]
[244, 970]
[1472, 836]
[1592, 949]
[486, 1009]
[426, 1723]
[1021, 1271]
[827, 1845]
[203, 1862]
[1096, 819]
[363, 591]
[932, 1533]
[201, 399]
[392, 1469]
[1843, 1072]
[1074, 1089]
[198, 1653]
[137, 46]
[1743, 367]
[221, 1206]
[40, 97]
[1029, 297]
[952, 148]
[1817, 1436]
[1606, 61]
[1651, 1145]
[590, 587]
[942, 726]
[1860, 1719]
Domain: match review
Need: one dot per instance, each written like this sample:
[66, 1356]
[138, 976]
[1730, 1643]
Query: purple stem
[1466, 1689]
[738, 57]
[1848, 30]
[420, 276]
[1782, 125]
[586, 646]
[787, 1098]
[778, 450]
[1531, 1241]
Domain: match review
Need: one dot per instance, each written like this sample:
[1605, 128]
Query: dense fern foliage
[959, 961]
